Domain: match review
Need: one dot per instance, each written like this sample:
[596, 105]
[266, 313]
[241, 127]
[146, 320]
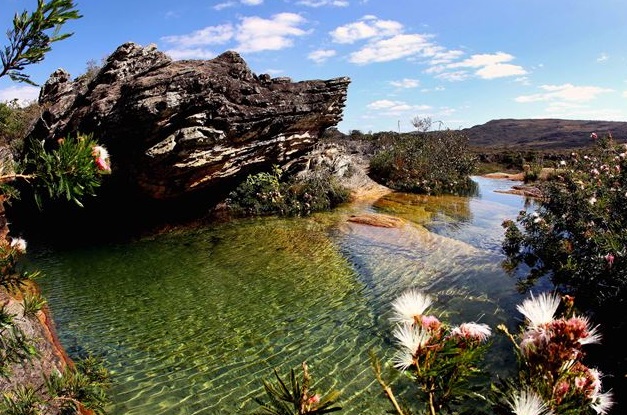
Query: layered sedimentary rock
[176, 127]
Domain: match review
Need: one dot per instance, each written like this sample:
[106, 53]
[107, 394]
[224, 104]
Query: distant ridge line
[543, 133]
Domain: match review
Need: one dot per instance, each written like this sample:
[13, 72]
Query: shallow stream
[192, 322]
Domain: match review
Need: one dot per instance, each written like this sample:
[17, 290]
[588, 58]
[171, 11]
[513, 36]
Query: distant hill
[542, 134]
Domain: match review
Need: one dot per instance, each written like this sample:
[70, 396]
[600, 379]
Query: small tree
[32, 36]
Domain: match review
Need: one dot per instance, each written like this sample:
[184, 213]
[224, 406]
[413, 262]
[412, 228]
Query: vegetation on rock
[72, 170]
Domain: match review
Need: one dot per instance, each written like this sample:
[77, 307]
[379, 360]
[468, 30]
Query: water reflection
[191, 322]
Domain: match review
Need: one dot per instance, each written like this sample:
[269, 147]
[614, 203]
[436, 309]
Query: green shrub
[434, 162]
[577, 235]
[275, 193]
[15, 121]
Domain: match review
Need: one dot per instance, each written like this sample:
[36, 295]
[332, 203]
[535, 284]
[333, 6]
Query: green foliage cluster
[429, 162]
[32, 35]
[295, 398]
[79, 388]
[443, 363]
[276, 193]
[69, 171]
[441, 360]
[15, 346]
[15, 120]
[577, 234]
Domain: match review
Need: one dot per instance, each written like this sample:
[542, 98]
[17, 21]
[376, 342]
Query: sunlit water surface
[192, 322]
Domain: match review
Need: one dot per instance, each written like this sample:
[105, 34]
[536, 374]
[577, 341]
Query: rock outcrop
[178, 127]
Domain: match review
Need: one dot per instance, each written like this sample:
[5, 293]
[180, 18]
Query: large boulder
[180, 127]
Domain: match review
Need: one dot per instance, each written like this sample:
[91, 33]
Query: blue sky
[458, 62]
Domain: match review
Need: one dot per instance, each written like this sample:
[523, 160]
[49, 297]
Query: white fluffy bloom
[472, 331]
[602, 403]
[539, 310]
[19, 245]
[527, 402]
[409, 305]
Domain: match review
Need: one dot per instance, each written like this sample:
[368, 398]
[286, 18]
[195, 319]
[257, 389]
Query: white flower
[593, 336]
[472, 331]
[19, 245]
[100, 152]
[562, 162]
[409, 305]
[539, 310]
[411, 338]
[527, 402]
[602, 402]
[592, 200]
[403, 360]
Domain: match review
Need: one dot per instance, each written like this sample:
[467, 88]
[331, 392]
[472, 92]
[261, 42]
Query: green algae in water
[192, 322]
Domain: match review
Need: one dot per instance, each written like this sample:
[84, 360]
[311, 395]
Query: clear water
[192, 322]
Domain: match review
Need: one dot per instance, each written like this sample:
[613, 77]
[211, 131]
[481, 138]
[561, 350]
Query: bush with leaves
[429, 162]
[577, 235]
[295, 398]
[552, 376]
[276, 193]
[442, 360]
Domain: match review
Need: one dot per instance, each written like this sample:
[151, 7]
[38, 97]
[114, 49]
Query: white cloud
[396, 47]
[320, 3]
[625, 94]
[441, 56]
[368, 27]
[253, 34]
[224, 5]
[24, 94]
[406, 83]
[602, 57]
[191, 53]
[454, 76]
[388, 107]
[227, 4]
[489, 66]
[500, 70]
[476, 61]
[565, 92]
[256, 34]
[321, 55]
[211, 35]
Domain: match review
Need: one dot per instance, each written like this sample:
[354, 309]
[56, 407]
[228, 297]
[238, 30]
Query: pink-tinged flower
[410, 305]
[19, 245]
[430, 323]
[534, 341]
[472, 331]
[102, 164]
[539, 310]
[101, 157]
[610, 259]
[584, 332]
[527, 402]
[560, 390]
[593, 136]
[594, 172]
[313, 400]
[99, 152]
